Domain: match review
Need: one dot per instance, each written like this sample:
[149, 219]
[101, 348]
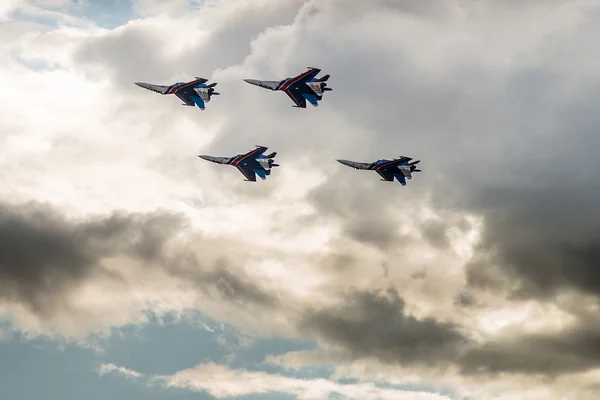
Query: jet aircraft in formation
[249, 164]
[301, 88]
[192, 93]
[398, 168]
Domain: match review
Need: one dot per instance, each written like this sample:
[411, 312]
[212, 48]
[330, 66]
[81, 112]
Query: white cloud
[6, 7]
[125, 372]
[222, 382]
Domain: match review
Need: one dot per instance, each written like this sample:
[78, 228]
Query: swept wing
[388, 170]
[298, 90]
[248, 166]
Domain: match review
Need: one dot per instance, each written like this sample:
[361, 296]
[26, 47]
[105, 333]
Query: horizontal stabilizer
[312, 99]
[198, 101]
[261, 173]
[400, 178]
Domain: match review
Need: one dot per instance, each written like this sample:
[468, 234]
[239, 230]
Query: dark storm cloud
[539, 241]
[222, 281]
[464, 299]
[44, 255]
[374, 324]
[575, 349]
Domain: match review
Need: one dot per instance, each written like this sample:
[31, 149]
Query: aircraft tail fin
[312, 99]
[323, 78]
[261, 173]
[400, 178]
[272, 155]
[198, 101]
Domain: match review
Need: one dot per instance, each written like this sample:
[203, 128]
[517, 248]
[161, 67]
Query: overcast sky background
[132, 269]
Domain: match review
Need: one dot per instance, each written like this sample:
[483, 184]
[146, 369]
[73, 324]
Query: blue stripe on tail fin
[312, 99]
[261, 172]
[198, 101]
[400, 177]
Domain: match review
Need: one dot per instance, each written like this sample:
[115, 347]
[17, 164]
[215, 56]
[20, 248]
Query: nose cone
[218, 160]
[271, 85]
[345, 162]
[252, 82]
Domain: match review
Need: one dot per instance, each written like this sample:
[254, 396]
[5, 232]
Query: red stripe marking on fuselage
[239, 159]
[385, 164]
[176, 88]
[286, 85]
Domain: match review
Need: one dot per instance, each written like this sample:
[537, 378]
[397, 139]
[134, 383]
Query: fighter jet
[300, 88]
[398, 168]
[192, 93]
[249, 164]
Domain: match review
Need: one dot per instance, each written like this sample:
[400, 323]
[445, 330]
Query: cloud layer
[480, 274]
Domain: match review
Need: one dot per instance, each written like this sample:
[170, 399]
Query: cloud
[371, 324]
[571, 350]
[64, 270]
[221, 382]
[490, 254]
[44, 256]
[125, 372]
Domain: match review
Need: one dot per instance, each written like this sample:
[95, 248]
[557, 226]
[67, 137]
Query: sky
[132, 269]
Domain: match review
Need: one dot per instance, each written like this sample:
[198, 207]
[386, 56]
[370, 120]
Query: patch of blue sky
[163, 346]
[50, 20]
[34, 64]
[38, 369]
[49, 369]
[108, 14]
[112, 13]
[252, 358]
[171, 344]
